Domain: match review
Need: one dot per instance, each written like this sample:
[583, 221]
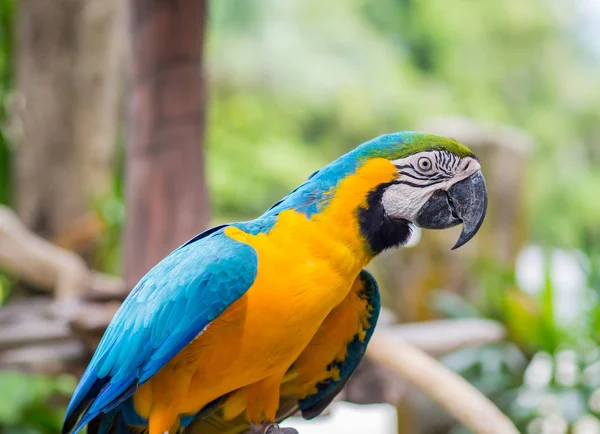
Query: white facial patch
[403, 202]
[421, 175]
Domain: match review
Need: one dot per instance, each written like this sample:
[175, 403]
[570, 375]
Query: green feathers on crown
[400, 145]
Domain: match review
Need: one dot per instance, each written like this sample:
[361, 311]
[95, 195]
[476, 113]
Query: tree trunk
[68, 75]
[166, 195]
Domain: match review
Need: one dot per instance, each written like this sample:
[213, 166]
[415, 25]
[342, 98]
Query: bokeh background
[289, 86]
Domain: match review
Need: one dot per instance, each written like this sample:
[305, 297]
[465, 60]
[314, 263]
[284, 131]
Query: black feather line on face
[446, 172]
[434, 177]
[412, 184]
[419, 175]
[445, 164]
[448, 159]
[379, 229]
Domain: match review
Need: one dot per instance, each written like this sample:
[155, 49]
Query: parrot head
[438, 185]
[430, 181]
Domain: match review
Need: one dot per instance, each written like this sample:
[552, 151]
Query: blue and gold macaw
[249, 322]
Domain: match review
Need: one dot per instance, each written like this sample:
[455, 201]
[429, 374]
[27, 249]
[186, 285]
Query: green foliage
[548, 373]
[251, 160]
[6, 43]
[496, 370]
[312, 79]
[111, 209]
[6, 284]
[33, 404]
[550, 391]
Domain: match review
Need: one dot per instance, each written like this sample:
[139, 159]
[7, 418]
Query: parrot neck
[353, 212]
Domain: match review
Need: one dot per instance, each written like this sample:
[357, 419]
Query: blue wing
[166, 310]
[312, 405]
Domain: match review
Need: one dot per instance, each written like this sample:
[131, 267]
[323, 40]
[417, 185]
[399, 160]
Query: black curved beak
[465, 202]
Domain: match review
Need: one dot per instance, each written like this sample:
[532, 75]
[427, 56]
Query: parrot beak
[465, 202]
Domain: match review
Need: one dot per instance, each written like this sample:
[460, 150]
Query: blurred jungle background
[128, 126]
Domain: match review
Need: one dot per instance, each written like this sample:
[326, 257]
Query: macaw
[250, 322]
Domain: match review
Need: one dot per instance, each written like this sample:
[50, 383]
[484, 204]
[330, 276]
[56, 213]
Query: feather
[211, 273]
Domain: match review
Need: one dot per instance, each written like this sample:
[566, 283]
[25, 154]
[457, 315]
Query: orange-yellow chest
[303, 273]
[306, 266]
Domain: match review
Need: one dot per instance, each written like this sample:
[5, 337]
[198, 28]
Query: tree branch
[446, 388]
[49, 267]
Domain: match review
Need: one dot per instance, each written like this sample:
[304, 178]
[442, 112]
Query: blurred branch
[39, 334]
[47, 266]
[37, 261]
[373, 383]
[45, 357]
[58, 334]
[44, 330]
[444, 336]
[448, 389]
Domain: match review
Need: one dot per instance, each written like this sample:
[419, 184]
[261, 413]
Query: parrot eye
[424, 163]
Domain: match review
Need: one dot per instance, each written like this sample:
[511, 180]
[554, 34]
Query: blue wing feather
[196, 282]
[312, 405]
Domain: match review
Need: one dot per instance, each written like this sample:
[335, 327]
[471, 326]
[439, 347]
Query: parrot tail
[122, 420]
[110, 424]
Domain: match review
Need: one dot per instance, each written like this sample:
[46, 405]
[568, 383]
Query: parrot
[250, 322]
